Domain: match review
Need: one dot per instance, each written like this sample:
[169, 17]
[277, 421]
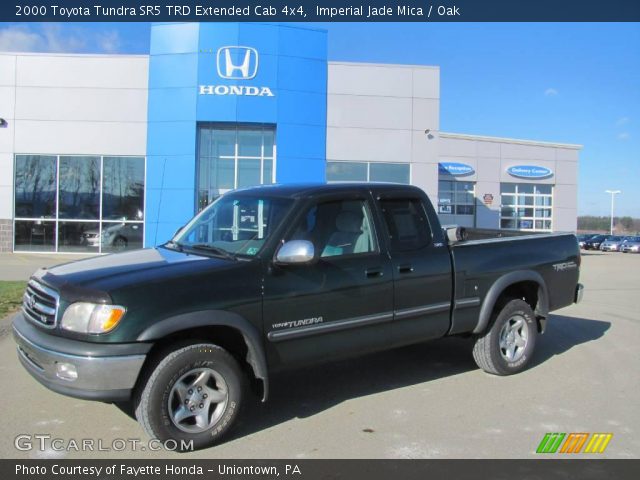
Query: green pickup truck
[276, 277]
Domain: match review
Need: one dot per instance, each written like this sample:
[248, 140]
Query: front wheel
[507, 346]
[192, 396]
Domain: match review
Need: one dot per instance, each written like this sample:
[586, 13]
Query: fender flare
[501, 284]
[211, 318]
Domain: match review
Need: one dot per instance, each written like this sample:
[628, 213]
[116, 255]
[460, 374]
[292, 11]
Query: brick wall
[6, 235]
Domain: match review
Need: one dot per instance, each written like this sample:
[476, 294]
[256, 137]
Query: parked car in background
[611, 243]
[583, 237]
[630, 245]
[117, 236]
[594, 242]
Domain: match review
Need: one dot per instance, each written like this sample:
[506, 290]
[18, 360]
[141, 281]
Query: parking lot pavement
[423, 401]
[20, 266]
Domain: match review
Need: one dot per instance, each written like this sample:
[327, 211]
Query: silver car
[631, 245]
[611, 244]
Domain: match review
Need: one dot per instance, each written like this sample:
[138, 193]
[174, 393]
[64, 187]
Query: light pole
[613, 196]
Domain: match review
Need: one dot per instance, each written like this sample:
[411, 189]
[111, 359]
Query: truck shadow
[309, 391]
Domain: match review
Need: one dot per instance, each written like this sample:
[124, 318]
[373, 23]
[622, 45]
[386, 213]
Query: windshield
[234, 224]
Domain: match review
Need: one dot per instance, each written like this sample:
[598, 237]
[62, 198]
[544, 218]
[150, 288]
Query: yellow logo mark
[598, 442]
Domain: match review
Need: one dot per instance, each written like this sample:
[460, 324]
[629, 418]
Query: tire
[500, 353]
[120, 243]
[210, 384]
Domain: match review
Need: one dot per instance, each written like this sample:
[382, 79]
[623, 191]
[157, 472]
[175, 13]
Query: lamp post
[613, 194]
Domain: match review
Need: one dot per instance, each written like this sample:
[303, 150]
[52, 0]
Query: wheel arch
[224, 328]
[526, 284]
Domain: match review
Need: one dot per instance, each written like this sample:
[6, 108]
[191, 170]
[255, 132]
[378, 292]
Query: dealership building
[104, 152]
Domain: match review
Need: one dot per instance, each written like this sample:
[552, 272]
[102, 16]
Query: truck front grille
[40, 304]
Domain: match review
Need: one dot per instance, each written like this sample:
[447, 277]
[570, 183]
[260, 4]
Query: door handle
[405, 269]
[373, 272]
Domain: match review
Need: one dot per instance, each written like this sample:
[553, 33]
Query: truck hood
[96, 276]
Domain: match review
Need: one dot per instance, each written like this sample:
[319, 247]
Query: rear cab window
[407, 224]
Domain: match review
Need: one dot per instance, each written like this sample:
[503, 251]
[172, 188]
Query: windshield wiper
[215, 250]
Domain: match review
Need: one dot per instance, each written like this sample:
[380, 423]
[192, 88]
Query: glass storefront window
[35, 236]
[346, 172]
[79, 188]
[389, 172]
[248, 172]
[122, 188]
[526, 206]
[74, 193]
[231, 156]
[78, 237]
[120, 236]
[35, 186]
[368, 172]
[456, 198]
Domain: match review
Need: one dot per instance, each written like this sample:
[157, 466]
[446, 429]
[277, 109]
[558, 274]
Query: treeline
[622, 225]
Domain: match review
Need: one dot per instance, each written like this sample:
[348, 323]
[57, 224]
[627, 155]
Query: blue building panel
[302, 42]
[171, 138]
[172, 104]
[267, 36]
[170, 172]
[230, 73]
[179, 70]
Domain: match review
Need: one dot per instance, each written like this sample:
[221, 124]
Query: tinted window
[407, 224]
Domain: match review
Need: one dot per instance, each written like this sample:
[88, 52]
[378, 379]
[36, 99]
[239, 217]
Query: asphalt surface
[424, 401]
[20, 266]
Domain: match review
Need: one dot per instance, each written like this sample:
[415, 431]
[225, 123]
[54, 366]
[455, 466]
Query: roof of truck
[295, 190]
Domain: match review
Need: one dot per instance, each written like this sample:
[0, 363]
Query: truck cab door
[339, 305]
[421, 266]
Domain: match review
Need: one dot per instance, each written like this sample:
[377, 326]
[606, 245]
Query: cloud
[550, 92]
[622, 121]
[56, 38]
[19, 39]
[109, 42]
[624, 136]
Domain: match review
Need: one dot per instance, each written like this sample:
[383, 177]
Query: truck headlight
[83, 317]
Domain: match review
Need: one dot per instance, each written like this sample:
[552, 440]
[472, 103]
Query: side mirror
[295, 252]
[455, 234]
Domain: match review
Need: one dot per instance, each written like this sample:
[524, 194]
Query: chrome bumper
[579, 293]
[98, 378]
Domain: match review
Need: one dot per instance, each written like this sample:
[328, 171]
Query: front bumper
[107, 378]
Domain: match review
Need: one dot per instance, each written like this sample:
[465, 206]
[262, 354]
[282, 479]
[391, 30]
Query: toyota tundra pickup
[274, 277]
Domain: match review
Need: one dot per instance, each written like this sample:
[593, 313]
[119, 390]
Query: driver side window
[338, 228]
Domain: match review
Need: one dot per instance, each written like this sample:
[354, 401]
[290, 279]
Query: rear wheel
[507, 346]
[194, 395]
[120, 243]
